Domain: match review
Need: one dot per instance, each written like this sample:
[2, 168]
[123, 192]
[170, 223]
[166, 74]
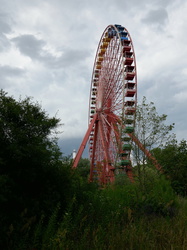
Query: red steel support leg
[84, 142]
[146, 152]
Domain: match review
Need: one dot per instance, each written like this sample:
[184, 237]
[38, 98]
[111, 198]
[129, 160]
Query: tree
[151, 131]
[32, 178]
[84, 167]
[173, 158]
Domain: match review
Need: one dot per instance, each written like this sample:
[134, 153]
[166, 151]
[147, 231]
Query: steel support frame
[84, 141]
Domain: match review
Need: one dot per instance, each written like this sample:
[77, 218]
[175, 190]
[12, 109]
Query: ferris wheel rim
[109, 26]
[102, 111]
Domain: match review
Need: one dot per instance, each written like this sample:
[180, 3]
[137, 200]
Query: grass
[144, 233]
[117, 217]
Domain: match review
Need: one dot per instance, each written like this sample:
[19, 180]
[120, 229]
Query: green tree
[84, 167]
[151, 131]
[173, 158]
[32, 178]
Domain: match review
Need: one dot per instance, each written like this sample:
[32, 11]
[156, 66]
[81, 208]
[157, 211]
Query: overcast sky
[47, 51]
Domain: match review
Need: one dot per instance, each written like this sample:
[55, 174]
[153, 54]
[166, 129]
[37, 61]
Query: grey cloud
[67, 145]
[161, 91]
[10, 71]
[158, 17]
[30, 46]
[4, 43]
[4, 29]
[136, 5]
[70, 58]
[33, 47]
[7, 72]
[4, 26]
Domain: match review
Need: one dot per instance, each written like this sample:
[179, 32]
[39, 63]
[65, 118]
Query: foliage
[84, 167]
[151, 131]
[173, 158]
[32, 178]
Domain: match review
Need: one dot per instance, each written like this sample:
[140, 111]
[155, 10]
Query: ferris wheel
[112, 106]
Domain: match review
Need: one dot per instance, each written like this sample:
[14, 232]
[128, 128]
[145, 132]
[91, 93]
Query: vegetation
[173, 158]
[151, 129]
[32, 178]
[45, 204]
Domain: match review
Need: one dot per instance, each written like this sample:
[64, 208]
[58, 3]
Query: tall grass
[120, 216]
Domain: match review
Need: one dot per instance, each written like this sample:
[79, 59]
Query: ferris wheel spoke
[111, 93]
[115, 139]
[114, 78]
[104, 143]
[104, 120]
[118, 92]
[113, 64]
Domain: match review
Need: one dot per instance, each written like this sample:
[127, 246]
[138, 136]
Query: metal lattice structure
[112, 106]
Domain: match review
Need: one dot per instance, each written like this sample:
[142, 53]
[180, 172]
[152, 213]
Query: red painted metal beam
[84, 142]
[146, 152]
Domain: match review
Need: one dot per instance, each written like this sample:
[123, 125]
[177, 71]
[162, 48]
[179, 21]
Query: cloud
[5, 28]
[7, 73]
[68, 145]
[156, 17]
[31, 46]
